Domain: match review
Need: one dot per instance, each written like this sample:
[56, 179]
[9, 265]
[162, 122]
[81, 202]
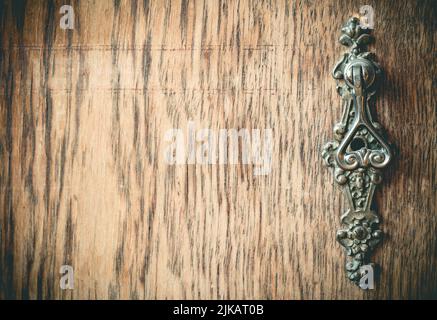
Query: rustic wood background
[83, 179]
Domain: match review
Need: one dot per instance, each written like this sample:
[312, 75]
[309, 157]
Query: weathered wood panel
[83, 179]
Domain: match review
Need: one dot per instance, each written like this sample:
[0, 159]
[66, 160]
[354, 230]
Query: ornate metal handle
[358, 151]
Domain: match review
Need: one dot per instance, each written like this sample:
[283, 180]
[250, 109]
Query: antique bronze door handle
[358, 152]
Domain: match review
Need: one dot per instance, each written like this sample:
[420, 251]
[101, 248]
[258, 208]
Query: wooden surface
[83, 180]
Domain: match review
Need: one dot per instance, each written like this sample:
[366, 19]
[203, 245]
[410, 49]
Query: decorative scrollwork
[358, 151]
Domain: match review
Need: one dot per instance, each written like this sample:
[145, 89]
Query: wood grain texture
[83, 179]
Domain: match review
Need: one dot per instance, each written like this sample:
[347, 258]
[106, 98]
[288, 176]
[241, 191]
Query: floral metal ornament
[358, 152]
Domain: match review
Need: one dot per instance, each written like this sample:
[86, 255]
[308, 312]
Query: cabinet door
[88, 116]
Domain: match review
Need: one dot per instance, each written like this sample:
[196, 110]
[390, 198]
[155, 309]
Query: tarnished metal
[358, 152]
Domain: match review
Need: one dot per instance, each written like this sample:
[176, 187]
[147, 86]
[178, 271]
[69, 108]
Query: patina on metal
[358, 152]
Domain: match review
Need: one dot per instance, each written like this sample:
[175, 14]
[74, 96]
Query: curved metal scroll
[358, 151]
